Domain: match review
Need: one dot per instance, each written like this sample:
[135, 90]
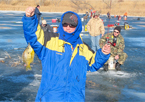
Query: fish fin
[28, 67]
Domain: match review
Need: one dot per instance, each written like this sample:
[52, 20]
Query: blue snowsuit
[65, 61]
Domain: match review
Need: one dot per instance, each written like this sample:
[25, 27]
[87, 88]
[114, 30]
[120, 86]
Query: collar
[79, 44]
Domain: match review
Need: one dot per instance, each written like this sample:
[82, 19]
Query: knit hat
[96, 13]
[37, 6]
[70, 18]
[44, 22]
[118, 28]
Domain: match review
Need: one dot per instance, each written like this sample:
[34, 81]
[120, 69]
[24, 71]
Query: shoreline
[134, 8]
[13, 11]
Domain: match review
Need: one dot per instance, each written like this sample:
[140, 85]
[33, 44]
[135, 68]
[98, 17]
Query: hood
[74, 37]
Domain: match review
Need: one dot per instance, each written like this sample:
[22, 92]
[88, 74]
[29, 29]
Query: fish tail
[28, 67]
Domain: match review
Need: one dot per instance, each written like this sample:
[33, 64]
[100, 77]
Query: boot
[105, 67]
[117, 67]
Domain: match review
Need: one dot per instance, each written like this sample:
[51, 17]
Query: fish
[28, 57]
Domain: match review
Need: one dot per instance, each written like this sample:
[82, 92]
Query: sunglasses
[70, 25]
[116, 32]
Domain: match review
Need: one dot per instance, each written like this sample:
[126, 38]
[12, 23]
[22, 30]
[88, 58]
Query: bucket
[126, 26]
[85, 27]
[54, 20]
[82, 19]
[82, 28]
[55, 29]
[111, 63]
[108, 25]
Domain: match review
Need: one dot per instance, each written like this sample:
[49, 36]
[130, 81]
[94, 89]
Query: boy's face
[69, 28]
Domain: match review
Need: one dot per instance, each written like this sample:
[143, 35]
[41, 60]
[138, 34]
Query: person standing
[95, 28]
[47, 31]
[37, 12]
[117, 44]
[108, 15]
[46, 27]
[63, 76]
[90, 13]
[125, 16]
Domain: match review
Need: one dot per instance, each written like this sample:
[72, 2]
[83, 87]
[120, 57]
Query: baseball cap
[70, 18]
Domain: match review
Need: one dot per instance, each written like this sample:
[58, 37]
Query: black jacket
[47, 28]
[38, 14]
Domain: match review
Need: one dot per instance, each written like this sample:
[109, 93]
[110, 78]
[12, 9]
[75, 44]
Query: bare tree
[41, 2]
[6, 1]
[80, 5]
[13, 2]
[135, 4]
[56, 2]
[108, 3]
[120, 0]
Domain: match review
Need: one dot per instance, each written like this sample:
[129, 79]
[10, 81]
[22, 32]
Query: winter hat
[70, 18]
[44, 22]
[118, 28]
[37, 6]
[96, 13]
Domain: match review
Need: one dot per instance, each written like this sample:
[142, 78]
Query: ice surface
[19, 85]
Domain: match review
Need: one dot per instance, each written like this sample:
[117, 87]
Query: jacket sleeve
[121, 47]
[34, 35]
[102, 29]
[49, 28]
[97, 61]
[102, 41]
[89, 26]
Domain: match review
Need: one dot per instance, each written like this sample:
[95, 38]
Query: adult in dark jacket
[37, 12]
[46, 27]
[65, 58]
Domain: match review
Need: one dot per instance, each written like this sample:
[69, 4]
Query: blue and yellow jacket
[63, 68]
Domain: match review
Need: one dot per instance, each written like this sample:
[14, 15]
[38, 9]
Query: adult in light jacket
[95, 28]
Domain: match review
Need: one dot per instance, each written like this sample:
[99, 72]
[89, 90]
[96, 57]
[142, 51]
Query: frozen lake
[18, 85]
